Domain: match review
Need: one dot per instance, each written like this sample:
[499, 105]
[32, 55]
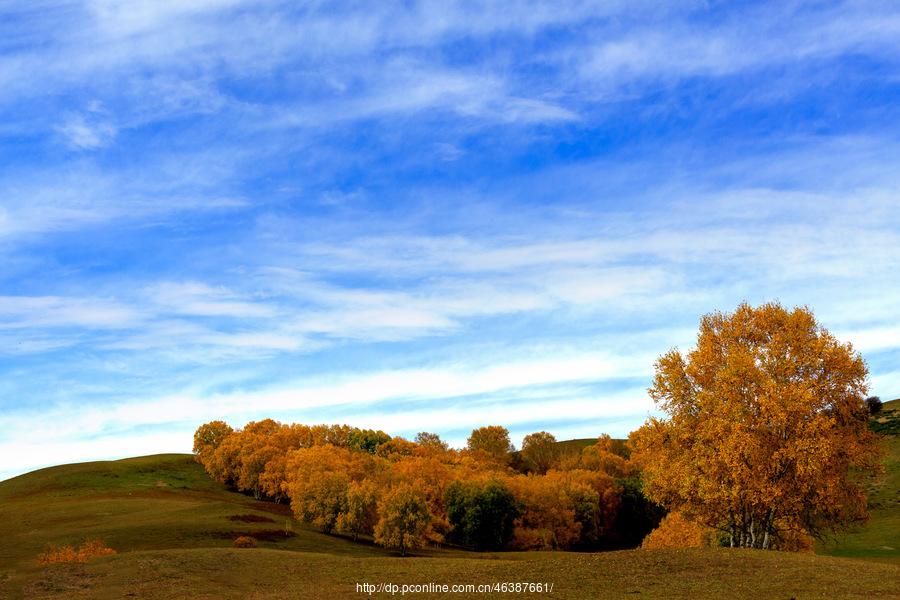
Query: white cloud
[200, 299]
[338, 390]
[87, 135]
[32, 312]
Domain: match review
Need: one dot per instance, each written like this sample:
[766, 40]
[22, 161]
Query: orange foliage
[342, 479]
[677, 531]
[67, 554]
[244, 541]
[548, 520]
[766, 430]
[490, 443]
[539, 451]
[404, 519]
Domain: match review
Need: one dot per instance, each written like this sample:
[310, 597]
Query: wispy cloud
[423, 215]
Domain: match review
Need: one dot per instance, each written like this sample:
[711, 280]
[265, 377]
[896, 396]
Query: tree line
[406, 494]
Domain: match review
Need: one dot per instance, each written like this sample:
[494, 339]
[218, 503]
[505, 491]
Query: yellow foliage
[767, 429]
[404, 521]
[539, 451]
[490, 443]
[244, 541]
[676, 531]
[548, 519]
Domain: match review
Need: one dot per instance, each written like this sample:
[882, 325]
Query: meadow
[173, 529]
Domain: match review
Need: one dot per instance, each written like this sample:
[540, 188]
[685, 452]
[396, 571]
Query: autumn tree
[395, 448]
[318, 479]
[258, 446]
[431, 477]
[208, 437]
[359, 514]
[431, 441]
[595, 497]
[539, 451]
[273, 479]
[547, 520]
[603, 456]
[491, 441]
[223, 464]
[765, 432]
[367, 440]
[404, 519]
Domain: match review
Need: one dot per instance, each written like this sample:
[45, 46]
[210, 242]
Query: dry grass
[647, 574]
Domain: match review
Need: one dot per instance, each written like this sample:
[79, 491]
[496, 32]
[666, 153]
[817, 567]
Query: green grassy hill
[173, 529]
[879, 538]
[163, 502]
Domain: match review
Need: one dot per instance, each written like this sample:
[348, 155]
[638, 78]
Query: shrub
[68, 554]
[677, 531]
[244, 541]
[794, 541]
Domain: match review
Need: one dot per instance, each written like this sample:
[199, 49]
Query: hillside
[160, 502]
[173, 529]
[879, 538]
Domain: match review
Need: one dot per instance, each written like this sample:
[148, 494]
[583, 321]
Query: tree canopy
[765, 435]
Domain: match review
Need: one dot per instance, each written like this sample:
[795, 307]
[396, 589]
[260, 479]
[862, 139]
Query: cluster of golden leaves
[766, 437]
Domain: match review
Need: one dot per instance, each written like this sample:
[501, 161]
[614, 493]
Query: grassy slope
[170, 524]
[879, 538]
[149, 503]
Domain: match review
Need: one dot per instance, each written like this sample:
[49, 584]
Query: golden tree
[208, 437]
[491, 442]
[360, 511]
[539, 451]
[766, 435]
[548, 518]
[404, 521]
[318, 479]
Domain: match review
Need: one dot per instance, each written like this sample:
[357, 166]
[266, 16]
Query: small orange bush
[67, 554]
[245, 542]
[795, 541]
[676, 531]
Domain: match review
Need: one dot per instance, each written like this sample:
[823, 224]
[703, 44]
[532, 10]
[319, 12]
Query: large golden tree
[766, 435]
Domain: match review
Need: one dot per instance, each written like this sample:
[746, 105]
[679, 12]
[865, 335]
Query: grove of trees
[406, 494]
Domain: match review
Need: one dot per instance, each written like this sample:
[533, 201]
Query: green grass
[161, 502]
[173, 529]
[879, 538]
[577, 445]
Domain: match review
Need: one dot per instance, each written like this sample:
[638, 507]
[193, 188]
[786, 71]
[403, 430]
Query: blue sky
[423, 215]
